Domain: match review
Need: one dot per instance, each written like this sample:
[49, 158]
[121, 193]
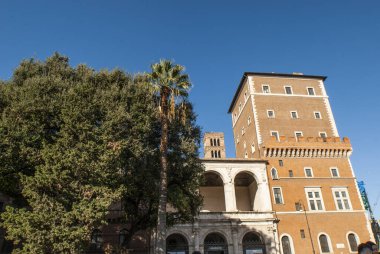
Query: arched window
[97, 239]
[212, 154]
[286, 245]
[218, 154]
[176, 243]
[215, 243]
[218, 142]
[324, 243]
[252, 243]
[274, 173]
[122, 236]
[211, 142]
[212, 191]
[352, 240]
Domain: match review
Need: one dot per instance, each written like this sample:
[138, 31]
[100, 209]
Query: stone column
[196, 236]
[229, 197]
[235, 240]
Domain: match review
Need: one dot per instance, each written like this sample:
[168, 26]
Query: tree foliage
[73, 141]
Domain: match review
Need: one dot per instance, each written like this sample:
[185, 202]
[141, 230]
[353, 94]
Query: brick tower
[287, 120]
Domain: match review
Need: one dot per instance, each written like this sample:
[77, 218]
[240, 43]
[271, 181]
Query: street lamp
[307, 223]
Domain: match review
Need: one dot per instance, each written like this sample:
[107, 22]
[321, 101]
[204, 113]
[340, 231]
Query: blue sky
[217, 41]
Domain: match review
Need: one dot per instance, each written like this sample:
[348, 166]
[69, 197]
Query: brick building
[287, 120]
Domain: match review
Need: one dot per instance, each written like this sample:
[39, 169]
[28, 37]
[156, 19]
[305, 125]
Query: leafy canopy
[74, 141]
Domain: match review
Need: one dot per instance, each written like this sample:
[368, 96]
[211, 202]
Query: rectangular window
[298, 134]
[294, 114]
[334, 172]
[298, 206]
[323, 135]
[310, 91]
[281, 163]
[302, 233]
[288, 90]
[342, 200]
[249, 120]
[270, 113]
[317, 115]
[308, 172]
[277, 193]
[291, 173]
[275, 134]
[266, 89]
[314, 199]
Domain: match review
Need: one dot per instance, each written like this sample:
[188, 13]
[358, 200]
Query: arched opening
[324, 244]
[215, 244]
[252, 243]
[274, 174]
[245, 191]
[286, 245]
[353, 242]
[213, 193]
[177, 244]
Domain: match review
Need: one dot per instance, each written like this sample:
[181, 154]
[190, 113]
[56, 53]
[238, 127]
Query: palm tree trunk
[161, 221]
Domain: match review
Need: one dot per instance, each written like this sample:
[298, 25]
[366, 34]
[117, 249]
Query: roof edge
[271, 74]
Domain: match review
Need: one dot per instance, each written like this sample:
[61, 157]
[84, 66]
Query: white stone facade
[233, 225]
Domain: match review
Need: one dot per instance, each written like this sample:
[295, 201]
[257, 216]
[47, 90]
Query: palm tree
[172, 86]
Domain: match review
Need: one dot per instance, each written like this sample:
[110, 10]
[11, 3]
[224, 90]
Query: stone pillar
[229, 196]
[235, 239]
[196, 236]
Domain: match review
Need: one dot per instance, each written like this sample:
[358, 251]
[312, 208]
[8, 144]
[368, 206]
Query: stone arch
[213, 192]
[245, 190]
[215, 242]
[178, 243]
[253, 241]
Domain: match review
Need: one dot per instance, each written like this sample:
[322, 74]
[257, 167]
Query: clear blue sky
[217, 41]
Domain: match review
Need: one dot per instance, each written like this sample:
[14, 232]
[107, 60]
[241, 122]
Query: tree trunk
[161, 221]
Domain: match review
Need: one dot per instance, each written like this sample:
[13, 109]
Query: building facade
[287, 120]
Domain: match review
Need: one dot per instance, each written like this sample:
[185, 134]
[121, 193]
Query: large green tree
[73, 141]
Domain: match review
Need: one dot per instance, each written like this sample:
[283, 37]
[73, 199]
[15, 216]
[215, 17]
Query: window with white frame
[235, 118]
[323, 135]
[286, 245]
[277, 193]
[288, 90]
[249, 120]
[308, 172]
[353, 242]
[310, 91]
[334, 172]
[270, 113]
[274, 174]
[314, 199]
[324, 243]
[294, 114]
[342, 200]
[275, 134]
[298, 134]
[317, 115]
[266, 89]
[239, 107]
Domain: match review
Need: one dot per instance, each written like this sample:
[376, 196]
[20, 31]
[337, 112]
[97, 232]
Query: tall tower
[214, 145]
[287, 120]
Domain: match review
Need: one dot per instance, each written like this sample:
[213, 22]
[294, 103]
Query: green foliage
[73, 141]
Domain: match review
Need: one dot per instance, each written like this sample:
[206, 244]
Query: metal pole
[308, 227]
